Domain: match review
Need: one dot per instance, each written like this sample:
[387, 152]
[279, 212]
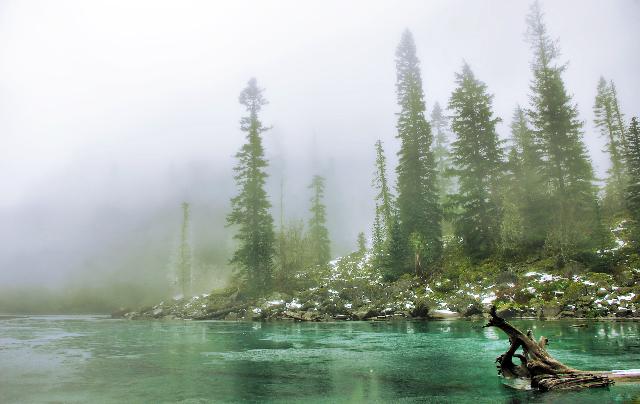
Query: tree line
[457, 183]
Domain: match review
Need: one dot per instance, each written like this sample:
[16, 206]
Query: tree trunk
[545, 372]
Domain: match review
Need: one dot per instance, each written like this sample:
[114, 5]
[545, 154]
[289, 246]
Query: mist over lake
[364, 201]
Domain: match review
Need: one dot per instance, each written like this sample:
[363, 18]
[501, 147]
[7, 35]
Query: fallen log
[543, 370]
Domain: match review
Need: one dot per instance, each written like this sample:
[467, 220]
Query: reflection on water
[89, 359]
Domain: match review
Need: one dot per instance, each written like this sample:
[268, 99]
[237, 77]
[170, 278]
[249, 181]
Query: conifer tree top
[545, 49]
[251, 97]
[408, 78]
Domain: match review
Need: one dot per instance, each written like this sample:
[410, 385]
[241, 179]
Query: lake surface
[95, 359]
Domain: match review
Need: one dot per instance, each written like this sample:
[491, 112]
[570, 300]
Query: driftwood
[543, 370]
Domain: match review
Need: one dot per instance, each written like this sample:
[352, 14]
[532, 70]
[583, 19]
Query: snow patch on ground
[489, 299]
[444, 311]
[294, 304]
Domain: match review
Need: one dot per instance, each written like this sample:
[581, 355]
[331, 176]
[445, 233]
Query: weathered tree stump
[544, 371]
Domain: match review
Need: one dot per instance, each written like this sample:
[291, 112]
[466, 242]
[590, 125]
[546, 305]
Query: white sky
[100, 101]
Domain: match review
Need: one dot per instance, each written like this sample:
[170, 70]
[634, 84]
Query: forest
[464, 220]
[363, 201]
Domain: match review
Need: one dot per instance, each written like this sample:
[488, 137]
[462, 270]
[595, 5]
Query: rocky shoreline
[201, 308]
[351, 289]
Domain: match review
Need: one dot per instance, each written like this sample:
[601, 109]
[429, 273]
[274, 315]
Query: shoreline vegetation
[469, 220]
[351, 289]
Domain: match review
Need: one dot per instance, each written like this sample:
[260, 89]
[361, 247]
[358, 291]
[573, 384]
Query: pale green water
[94, 359]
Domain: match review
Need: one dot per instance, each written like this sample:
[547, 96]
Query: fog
[113, 113]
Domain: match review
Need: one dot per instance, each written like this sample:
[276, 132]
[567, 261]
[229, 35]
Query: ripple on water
[67, 360]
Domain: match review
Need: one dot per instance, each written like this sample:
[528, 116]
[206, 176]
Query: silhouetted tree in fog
[441, 152]
[184, 265]
[384, 202]
[362, 243]
[609, 121]
[250, 208]
[419, 211]
[633, 171]
[525, 216]
[318, 234]
[477, 158]
[558, 130]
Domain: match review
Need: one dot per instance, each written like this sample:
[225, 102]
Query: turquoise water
[95, 359]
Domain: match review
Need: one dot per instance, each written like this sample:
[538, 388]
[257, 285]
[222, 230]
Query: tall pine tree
[318, 234]
[384, 201]
[250, 208]
[441, 154]
[477, 157]
[525, 197]
[609, 121]
[633, 169]
[362, 243]
[567, 169]
[418, 205]
[184, 264]
[619, 117]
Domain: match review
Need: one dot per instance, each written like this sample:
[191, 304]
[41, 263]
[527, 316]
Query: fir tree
[379, 239]
[418, 206]
[512, 230]
[318, 233]
[250, 208]
[477, 157]
[184, 264]
[396, 252]
[618, 116]
[362, 243]
[294, 256]
[632, 195]
[384, 201]
[441, 154]
[609, 121]
[525, 197]
[567, 169]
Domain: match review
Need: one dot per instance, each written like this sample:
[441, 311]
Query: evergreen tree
[512, 230]
[567, 169]
[184, 264]
[418, 206]
[477, 157]
[525, 217]
[384, 201]
[619, 117]
[250, 208]
[633, 171]
[318, 233]
[609, 121]
[362, 243]
[396, 252]
[378, 235]
[441, 154]
[294, 256]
